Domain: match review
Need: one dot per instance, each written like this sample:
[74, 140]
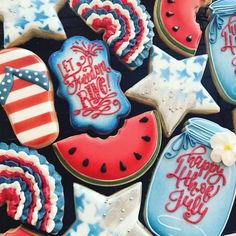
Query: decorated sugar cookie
[174, 88]
[19, 231]
[31, 188]
[100, 215]
[23, 20]
[90, 85]
[118, 159]
[126, 26]
[26, 94]
[221, 46]
[193, 187]
[176, 24]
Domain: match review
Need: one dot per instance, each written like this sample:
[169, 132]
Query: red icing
[185, 18]
[89, 82]
[20, 231]
[197, 182]
[229, 35]
[10, 196]
[113, 150]
[45, 184]
[29, 59]
[109, 29]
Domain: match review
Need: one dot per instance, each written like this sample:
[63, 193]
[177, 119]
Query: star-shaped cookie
[23, 20]
[99, 215]
[174, 88]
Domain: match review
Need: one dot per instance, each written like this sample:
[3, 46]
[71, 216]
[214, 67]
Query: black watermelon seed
[146, 138]
[122, 166]
[189, 38]
[169, 13]
[143, 120]
[171, 1]
[104, 168]
[72, 150]
[175, 28]
[138, 156]
[85, 162]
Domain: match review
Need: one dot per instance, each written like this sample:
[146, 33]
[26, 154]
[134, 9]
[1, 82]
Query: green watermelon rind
[117, 182]
[164, 34]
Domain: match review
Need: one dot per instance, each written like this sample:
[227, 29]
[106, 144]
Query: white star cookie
[24, 19]
[99, 215]
[174, 88]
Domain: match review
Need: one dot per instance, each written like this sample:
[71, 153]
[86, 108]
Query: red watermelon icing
[19, 231]
[176, 24]
[118, 159]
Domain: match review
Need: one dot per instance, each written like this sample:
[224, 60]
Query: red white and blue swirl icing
[31, 187]
[127, 27]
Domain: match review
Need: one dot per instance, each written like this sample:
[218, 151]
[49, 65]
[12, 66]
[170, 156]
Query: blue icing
[40, 16]
[162, 214]
[222, 49]
[58, 186]
[97, 102]
[31, 76]
[22, 22]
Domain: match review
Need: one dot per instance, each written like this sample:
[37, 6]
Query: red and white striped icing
[29, 107]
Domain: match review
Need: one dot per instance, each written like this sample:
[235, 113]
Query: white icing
[21, 195]
[224, 148]
[21, 17]
[50, 180]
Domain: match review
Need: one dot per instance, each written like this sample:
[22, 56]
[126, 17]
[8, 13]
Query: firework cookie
[193, 186]
[106, 163]
[31, 187]
[221, 46]
[19, 231]
[26, 94]
[177, 26]
[126, 24]
[99, 215]
[23, 20]
[174, 88]
[90, 85]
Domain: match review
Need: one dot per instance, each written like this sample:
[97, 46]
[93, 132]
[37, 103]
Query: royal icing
[118, 159]
[19, 231]
[220, 35]
[26, 94]
[189, 192]
[90, 85]
[31, 187]
[177, 26]
[126, 24]
[174, 88]
[23, 20]
[99, 215]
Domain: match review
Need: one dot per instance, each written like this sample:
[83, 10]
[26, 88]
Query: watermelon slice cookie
[118, 159]
[176, 24]
[26, 94]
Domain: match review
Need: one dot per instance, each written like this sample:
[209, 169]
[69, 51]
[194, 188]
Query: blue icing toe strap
[31, 76]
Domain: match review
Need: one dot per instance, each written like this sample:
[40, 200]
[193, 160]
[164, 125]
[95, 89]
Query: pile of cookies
[87, 98]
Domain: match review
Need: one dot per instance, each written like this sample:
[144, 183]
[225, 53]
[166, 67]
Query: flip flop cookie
[193, 186]
[100, 215]
[118, 159]
[176, 24]
[31, 188]
[26, 94]
[221, 47]
[127, 26]
[23, 20]
[90, 85]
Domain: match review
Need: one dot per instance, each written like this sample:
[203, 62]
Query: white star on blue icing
[177, 92]
[21, 17]
[99, 215]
